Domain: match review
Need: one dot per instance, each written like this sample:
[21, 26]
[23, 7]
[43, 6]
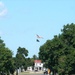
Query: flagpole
[38, 39]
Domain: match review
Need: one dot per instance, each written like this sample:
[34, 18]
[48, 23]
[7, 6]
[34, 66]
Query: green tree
[29, 62]
[6, 62]
[59, 53]
[21, 55]
[35, 57]
[68, 37]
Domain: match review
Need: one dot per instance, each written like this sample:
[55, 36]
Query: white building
[38, 65]
[29, 68]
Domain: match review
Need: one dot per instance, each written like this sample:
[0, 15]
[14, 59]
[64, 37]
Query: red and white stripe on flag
[39, 36]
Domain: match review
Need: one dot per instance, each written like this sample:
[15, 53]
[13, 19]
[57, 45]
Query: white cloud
[1, 4]
[3, 10]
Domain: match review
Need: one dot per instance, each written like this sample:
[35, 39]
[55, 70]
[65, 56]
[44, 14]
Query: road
[31, 73]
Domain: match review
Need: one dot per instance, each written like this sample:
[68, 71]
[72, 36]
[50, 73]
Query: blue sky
[21, 20]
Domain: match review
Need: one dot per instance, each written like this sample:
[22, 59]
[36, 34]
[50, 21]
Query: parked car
[36, 70]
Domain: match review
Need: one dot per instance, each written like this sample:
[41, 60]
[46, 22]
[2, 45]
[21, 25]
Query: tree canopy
[6, 61]
[20, 59]
[59, 53]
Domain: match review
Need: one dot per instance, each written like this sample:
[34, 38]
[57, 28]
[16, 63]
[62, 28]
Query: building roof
[37, 61]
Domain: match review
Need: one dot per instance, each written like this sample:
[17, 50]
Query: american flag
[39, 36]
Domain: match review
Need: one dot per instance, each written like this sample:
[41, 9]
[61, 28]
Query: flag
[39, 36]
[37, 40]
